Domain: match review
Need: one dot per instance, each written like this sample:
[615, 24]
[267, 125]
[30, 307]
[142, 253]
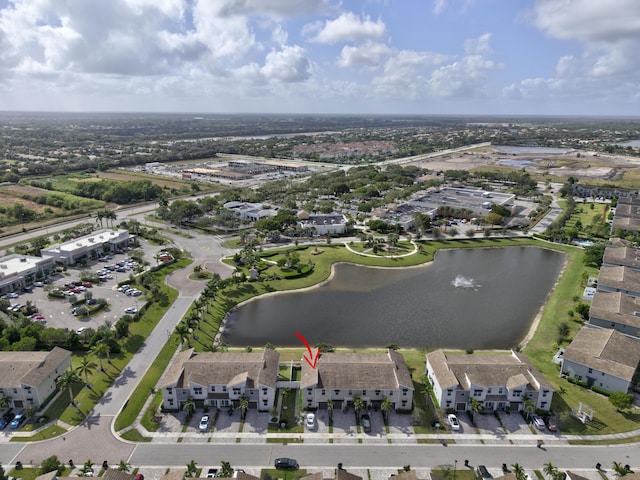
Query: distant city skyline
[445, 57]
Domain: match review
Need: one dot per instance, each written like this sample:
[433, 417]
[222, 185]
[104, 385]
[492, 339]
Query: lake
[466, 298]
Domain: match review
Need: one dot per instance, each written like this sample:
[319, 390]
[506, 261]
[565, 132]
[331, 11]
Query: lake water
[471, 298]
[630, 143]
[525, 150]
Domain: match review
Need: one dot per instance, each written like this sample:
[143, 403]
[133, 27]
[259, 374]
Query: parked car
[17, 420]
[204, 423]
[483, 473]
[538, 422]
[237, 472]
[38, 284]
[453, 422]
[131, 310]
[365, 422]
[80, 330]
[311, 421]
[551, 424]
[212, 473]
[286, 464]
[6, 418]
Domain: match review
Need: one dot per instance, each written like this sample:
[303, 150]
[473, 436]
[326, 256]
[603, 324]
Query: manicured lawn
[49, 432]
[283, 474]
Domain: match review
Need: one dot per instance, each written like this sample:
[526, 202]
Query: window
[264, 390]
[213, 388]
[364, 392]
[591, 370]
[477, 393]
[391, 393]
[543, 404]
[449, 393]
[404, 392]
[309, 390]
[544, 393]
[324, 392]
[489, 390]
[224, 403]
[350, 393]
[264, 402]
[169, 391]
[197, 390]
[517, 393]
[171, 402]
[251, 392]
[337, 392]
[224, 388]
[213, 403]
[236, 391]
[377, 392]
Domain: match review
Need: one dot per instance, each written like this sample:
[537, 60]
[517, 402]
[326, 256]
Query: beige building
[219, 379]
[604, 358]
[615, 310]
[619, 279]
[339, 377]
[27, 379]
[497, 381]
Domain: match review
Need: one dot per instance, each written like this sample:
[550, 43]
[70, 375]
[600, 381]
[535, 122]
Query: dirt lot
[578, 164]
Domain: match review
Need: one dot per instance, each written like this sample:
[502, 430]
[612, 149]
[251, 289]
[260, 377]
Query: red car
[551, 424]
[87, 284]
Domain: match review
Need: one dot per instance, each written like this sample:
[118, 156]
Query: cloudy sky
[322, 56]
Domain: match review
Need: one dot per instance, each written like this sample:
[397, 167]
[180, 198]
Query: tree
[66, 380]
[330, 409]
[182, 330]
[243, 406]
[124, 466]
[189, 405]
[51, 464]
[519, 472]
[621, 400]
[550, 469]
[191, 468]
[619, 469]
[529, 406]
[385, 407]
[226, 470]
[358, 404]
[583, 309]
[476, 407]
[101, 349]
[85, 368]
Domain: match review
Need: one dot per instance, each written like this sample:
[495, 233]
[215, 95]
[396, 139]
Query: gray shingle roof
[486, 370]
[29, 368]
[616, 307]
[358, 371]
[605, 350]
[224, 368]
[620, 277]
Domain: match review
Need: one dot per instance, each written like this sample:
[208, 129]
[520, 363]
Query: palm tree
[189, 405]
[101, 349]
[550, 469]
[124, 466]
[358, 404]
[4, 402]
[386, 406]
[330, 409]
[85, 368]
[66, 380]
[619, 469]
[243, 405]
[476, 407]
[191, 468]
[519, 472]
[529, 406]
[183, 332]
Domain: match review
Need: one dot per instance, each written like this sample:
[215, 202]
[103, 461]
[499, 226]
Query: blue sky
[516, 57]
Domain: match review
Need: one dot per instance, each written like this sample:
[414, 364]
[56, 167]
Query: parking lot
[57, 312]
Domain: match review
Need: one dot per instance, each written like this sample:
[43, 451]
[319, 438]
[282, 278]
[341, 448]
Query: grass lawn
[46, 433]
[283, 474]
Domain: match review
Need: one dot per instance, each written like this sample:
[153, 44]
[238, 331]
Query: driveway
[401, 428]
[344, 427]
[378, 432]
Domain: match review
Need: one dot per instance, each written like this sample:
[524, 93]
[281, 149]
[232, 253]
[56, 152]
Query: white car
[204, 423]
[80, 330]
[131, 310]
[311, 421]
[453, 422]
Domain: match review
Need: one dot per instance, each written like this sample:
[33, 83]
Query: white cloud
[463, 78]
[439, 6]
[368, 55]
[348, 27]
[588, 20]
[478, 46]
[274, 8]
[608, 66]
[288, 65]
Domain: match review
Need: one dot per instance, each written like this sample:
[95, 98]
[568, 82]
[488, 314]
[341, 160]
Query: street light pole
[455, 466]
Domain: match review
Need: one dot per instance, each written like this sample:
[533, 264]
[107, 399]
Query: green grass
[285, 440]
[44, 434]
[283, 474]
[462, 473]
[147, 419]
[134, 435]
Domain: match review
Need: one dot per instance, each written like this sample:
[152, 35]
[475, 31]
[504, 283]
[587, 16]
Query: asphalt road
[373, 456]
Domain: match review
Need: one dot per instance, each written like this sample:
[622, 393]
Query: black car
[286, 464]
[365, 422]
[6, 418]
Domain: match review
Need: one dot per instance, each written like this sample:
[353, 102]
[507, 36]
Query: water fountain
[463, 282]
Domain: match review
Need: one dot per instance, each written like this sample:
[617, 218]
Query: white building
[219, 379]
[324, 224]
[27, 379]
[89, 246]
[250, 211]
[19, 271]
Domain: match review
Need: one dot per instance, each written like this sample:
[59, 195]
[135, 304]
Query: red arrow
[311, 359]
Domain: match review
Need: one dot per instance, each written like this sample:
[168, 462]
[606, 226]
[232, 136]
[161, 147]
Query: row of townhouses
[605, 353]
